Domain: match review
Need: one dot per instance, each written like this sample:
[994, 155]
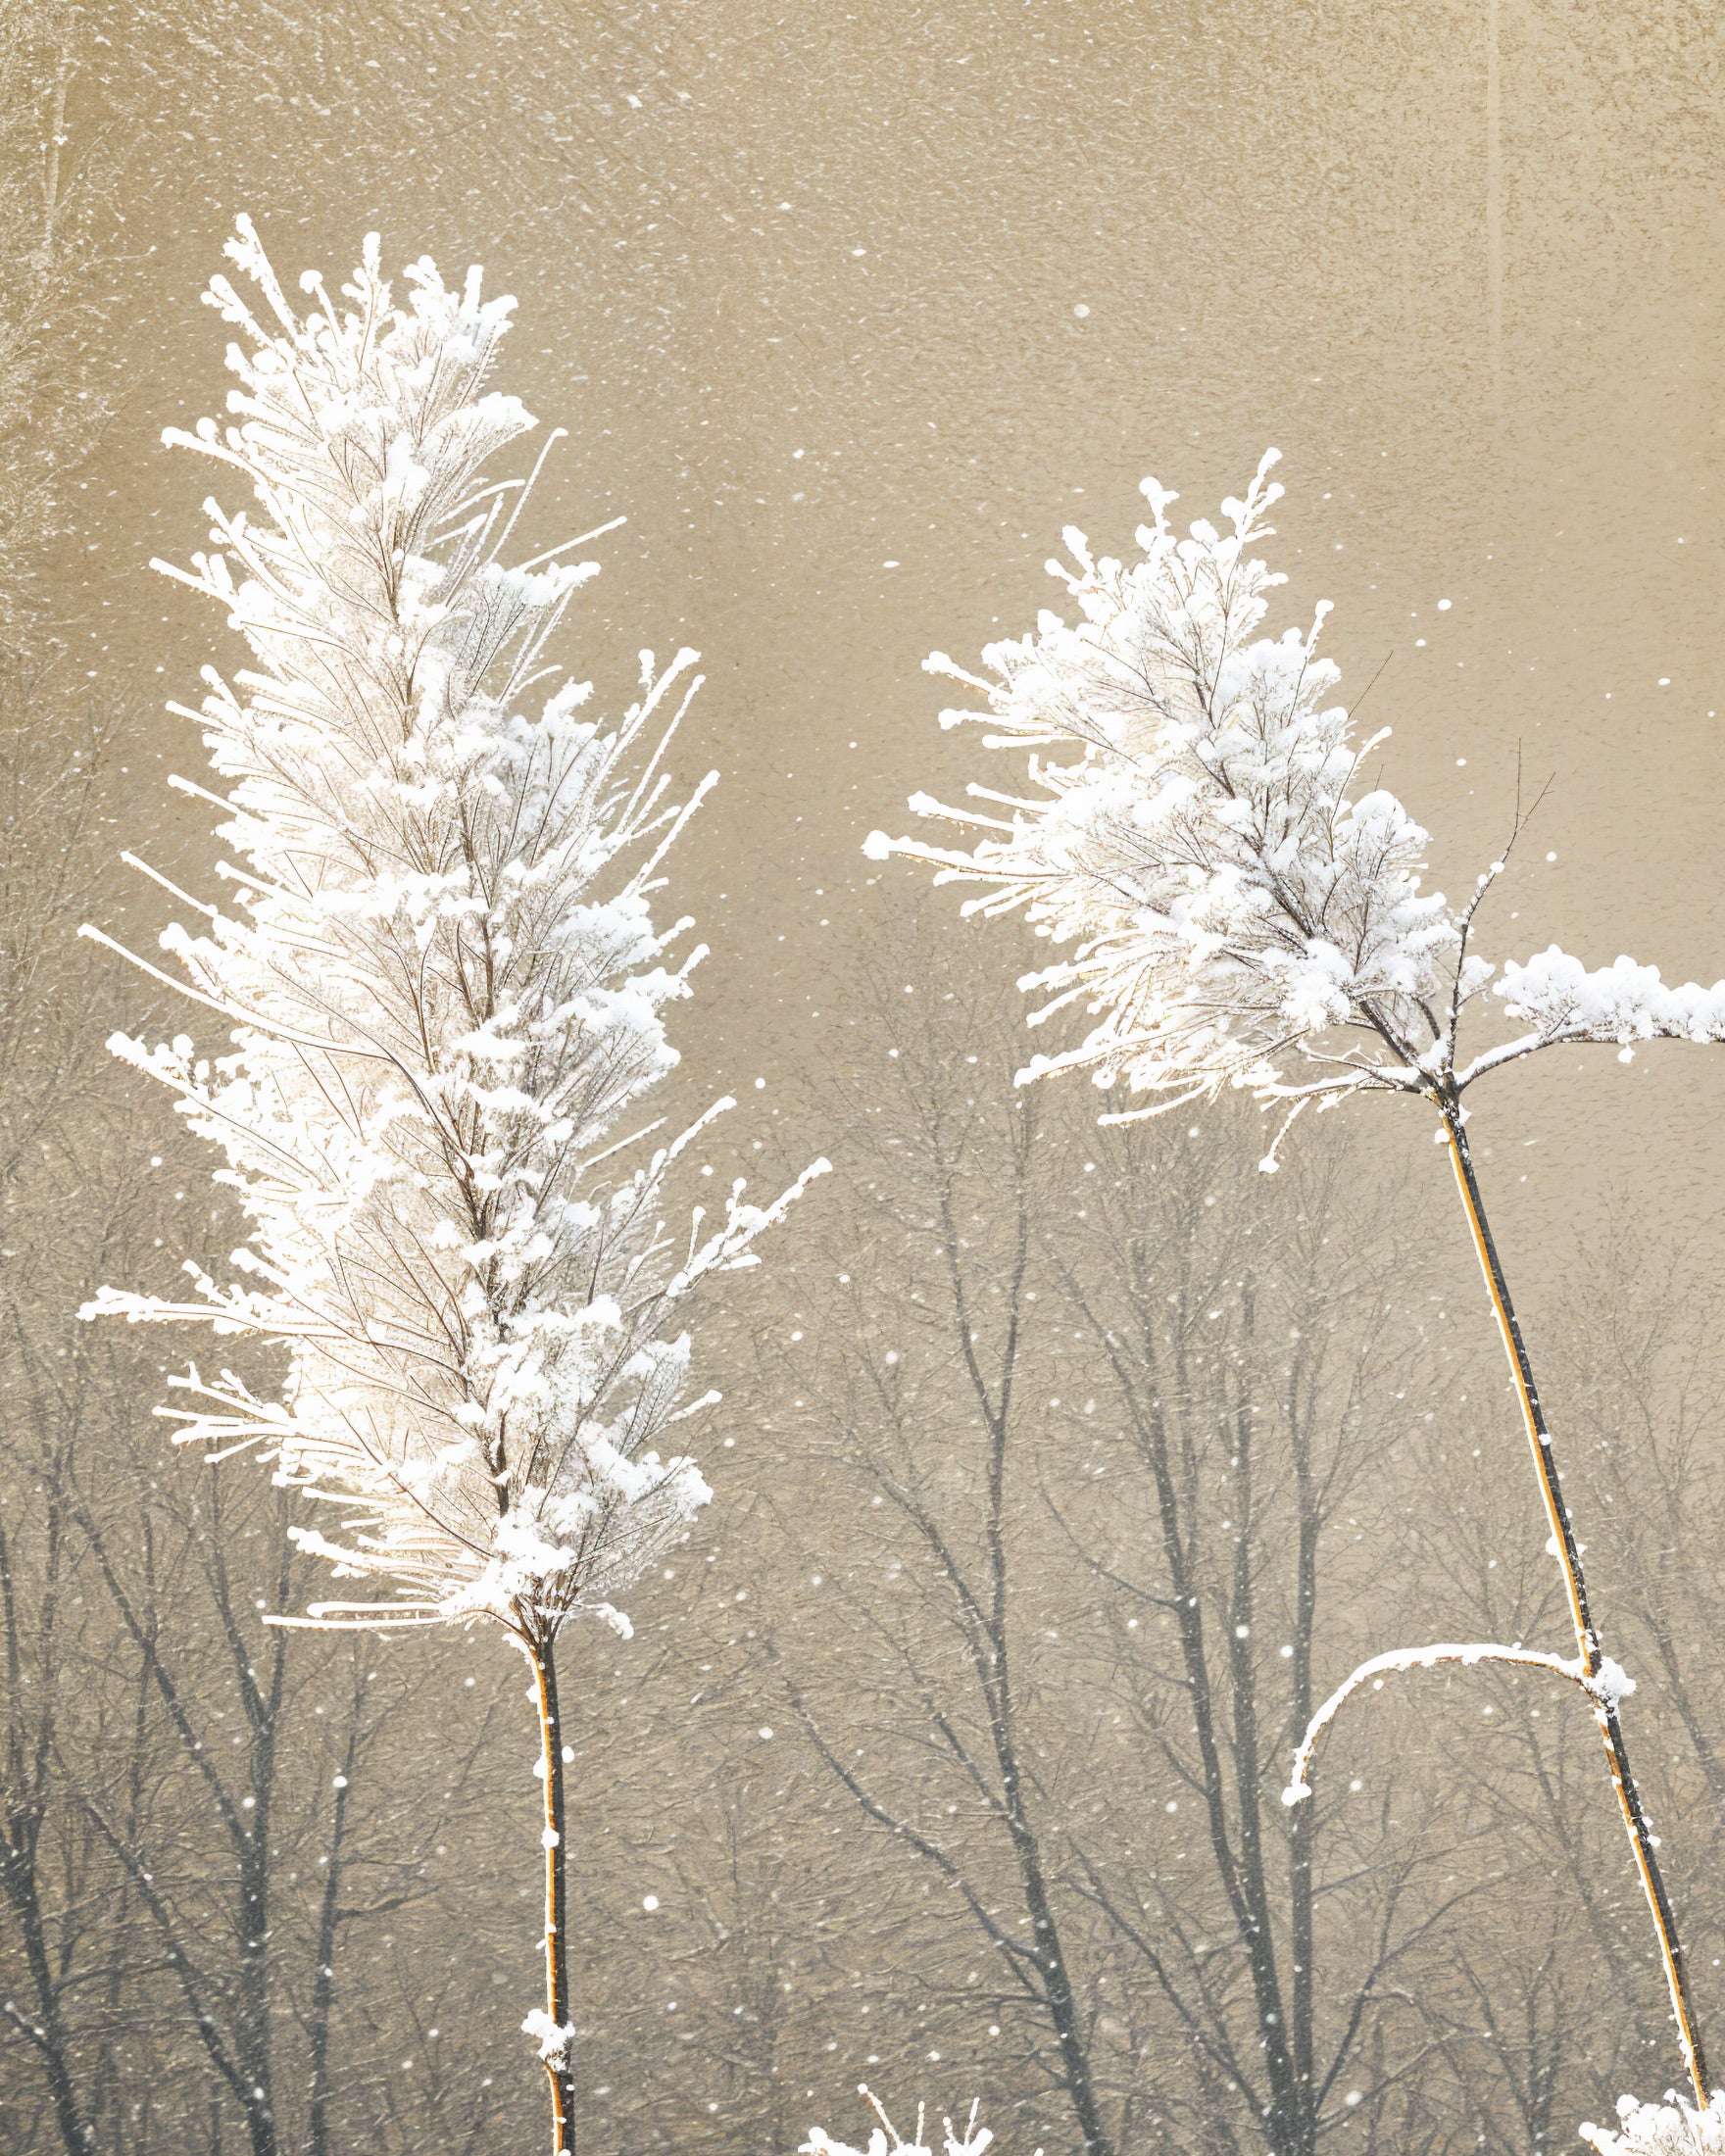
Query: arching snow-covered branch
[1609, 1682]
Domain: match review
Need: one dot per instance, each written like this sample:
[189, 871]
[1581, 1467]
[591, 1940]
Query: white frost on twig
[554, 2037]
[1189, 837]
[1610, 1681]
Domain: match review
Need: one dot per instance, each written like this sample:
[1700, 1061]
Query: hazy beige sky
[853, 310]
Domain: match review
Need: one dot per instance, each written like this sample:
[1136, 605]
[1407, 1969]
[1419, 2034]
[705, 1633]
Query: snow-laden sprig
[445, 987]
[1195, 839]
[885, 2139]
[1675, 2128]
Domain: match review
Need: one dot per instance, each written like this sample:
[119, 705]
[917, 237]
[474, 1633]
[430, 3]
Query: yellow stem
[1563, 1542]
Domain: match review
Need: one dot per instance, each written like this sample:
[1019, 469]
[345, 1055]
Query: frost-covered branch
[1675, 2128]
[1607, 1683]
[445, 989]
[1623, 1002]
[1191, 834]
[445, 995]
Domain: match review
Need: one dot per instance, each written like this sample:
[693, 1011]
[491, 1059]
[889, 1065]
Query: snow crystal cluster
[1193, 842]
[555, 2039]
[445, 988]
[1624, 1003]
[1675, 2128]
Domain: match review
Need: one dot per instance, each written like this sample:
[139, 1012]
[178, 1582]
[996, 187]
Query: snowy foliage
[446, 990]
[1194, 843]
[1676, 2127]
[1624, 1003]
[885, 2139]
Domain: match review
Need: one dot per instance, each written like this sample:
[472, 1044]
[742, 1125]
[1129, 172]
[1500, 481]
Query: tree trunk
[1568, 1555]
[45, 2029]
[1301, 1826]
[1057, 1981]
[329, 1916]
[26, 1765]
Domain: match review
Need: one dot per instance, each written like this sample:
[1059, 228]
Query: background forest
[1062, 1470]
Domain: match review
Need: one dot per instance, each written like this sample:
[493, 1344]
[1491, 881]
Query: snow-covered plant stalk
[445, 995]
[1225, 902]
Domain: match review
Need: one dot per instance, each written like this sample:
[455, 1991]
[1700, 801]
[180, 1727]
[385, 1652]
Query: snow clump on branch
[445, 985]
[1193, 840]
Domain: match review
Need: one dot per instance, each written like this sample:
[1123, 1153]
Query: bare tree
[171, 1871]
[1120, 1411]
[950, 1153]
[1637, 1345]
[1249, 1363]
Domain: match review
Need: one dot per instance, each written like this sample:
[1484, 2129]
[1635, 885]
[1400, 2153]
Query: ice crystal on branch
[555, 2037]
[445, 985]
[1195, 841]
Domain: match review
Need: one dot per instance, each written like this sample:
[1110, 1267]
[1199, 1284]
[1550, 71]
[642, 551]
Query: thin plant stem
[1568, 1554]
[558, 2066]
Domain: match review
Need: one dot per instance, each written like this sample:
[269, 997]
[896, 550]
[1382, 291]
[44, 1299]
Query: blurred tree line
[1065, 1468]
